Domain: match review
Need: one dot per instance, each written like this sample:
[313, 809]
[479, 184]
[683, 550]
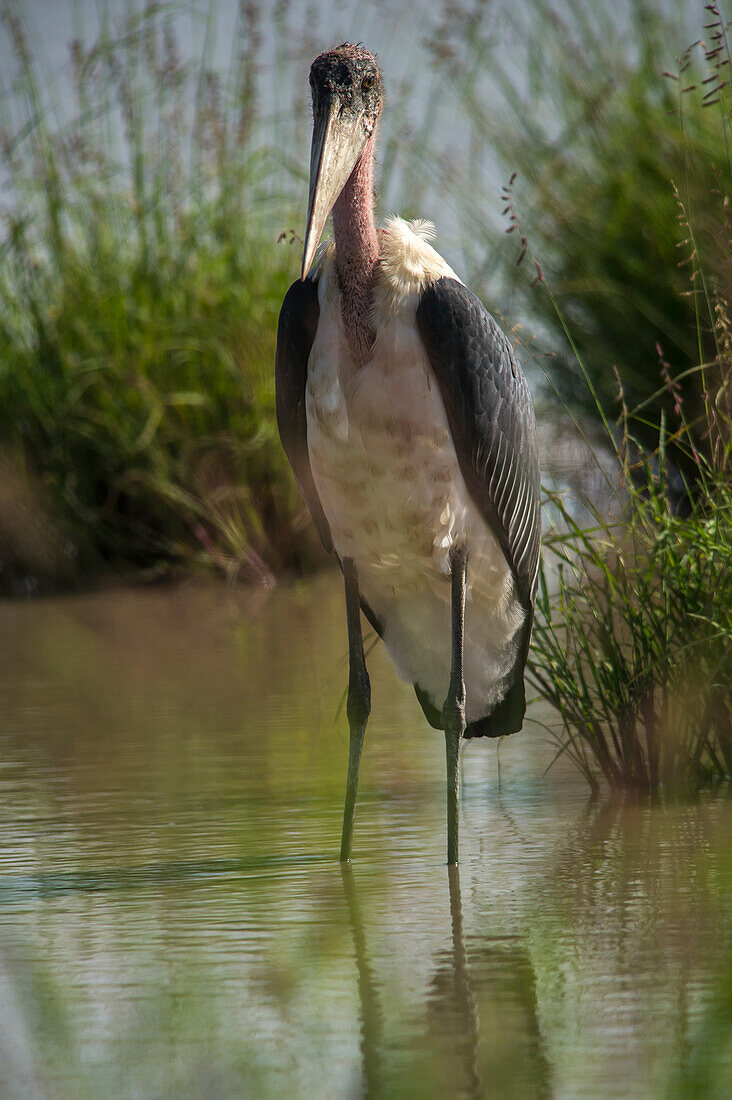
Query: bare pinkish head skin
[347, 96]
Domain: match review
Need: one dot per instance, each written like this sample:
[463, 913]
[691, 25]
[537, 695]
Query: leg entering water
[453, 712]
[358, 706]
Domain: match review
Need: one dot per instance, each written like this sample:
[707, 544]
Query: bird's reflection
[482, 1011]
[465, 1009]
[454, 1056]
[371, 1015]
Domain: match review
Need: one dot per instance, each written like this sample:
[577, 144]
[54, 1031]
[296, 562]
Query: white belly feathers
[388, 479]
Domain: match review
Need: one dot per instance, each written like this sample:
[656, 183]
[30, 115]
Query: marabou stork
[410, 429]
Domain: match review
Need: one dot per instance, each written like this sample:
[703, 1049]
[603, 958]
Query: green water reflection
[175, 923]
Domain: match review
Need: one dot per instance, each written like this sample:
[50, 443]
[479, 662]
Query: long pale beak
[338, 139]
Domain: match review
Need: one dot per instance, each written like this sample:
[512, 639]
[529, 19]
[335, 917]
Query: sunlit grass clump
[632, 636]
[140, 282]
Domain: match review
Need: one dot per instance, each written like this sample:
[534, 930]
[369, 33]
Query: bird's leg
[453, 712]
[358, 706]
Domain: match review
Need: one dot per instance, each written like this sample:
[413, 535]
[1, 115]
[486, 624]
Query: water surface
[174, 922]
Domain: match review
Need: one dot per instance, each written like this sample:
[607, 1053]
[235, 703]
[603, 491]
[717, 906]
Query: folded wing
[295, 335]
[491, 417]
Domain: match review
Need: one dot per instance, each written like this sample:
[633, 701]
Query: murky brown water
[174, 922]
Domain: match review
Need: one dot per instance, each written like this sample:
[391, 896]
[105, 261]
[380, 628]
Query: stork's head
[346, 89]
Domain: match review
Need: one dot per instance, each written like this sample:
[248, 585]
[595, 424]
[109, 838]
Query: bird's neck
[357, 253]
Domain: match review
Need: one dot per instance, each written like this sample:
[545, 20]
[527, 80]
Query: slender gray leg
[453, 712]
[358, 706]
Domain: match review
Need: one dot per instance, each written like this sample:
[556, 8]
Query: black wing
[295, 335]
[491, 417]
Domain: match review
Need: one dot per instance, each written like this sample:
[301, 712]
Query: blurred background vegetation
[140, 293]
[141, 275]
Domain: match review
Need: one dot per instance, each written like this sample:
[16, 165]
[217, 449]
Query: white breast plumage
[388, 478]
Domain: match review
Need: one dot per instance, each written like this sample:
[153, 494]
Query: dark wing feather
[295, 335]
[491, 418]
